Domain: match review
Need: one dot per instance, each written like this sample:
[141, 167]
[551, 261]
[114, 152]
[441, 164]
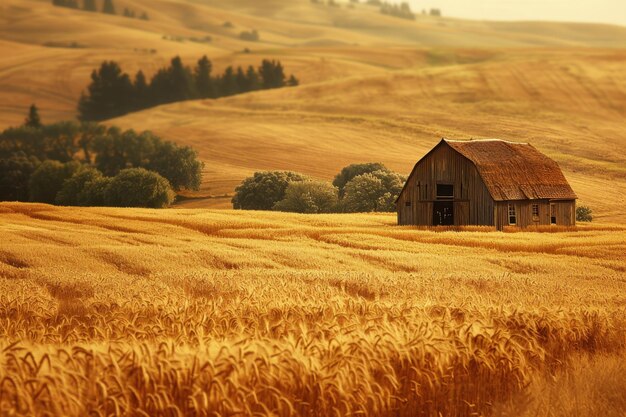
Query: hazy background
[604, 11]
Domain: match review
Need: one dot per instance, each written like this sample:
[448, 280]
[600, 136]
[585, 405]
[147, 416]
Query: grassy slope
[330, 301]
[374, 87]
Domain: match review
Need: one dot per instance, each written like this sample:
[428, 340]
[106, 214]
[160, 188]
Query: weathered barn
[487, 182]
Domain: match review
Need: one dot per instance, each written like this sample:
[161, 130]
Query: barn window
[535, 210]
[445, 191]
[407, 203]
[512, 216]
[552, 213]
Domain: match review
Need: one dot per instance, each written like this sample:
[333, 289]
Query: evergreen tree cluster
[113, 93]
[402, 10]
[72, 4]
[84, 164]
[90, 6]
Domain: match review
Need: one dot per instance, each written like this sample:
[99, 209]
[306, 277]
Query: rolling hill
[373, 87]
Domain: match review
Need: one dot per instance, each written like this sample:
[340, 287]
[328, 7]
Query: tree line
[90, 6]
[365, 187]
[89, 164]
[113, 93]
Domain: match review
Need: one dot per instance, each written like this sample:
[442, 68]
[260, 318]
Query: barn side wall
[565, 211]
[472, 202]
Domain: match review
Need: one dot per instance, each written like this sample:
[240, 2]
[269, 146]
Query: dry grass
[187, 312]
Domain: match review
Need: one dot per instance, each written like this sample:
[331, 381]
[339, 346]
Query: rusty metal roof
[513, 170]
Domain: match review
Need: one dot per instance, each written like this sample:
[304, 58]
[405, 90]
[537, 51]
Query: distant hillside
[374, 87]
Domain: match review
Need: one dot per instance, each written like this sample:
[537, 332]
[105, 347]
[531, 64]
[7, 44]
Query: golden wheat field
[195, 311]
[117, 312]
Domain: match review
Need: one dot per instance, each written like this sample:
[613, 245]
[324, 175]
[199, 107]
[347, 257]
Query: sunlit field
[127, 312]
[373, 87]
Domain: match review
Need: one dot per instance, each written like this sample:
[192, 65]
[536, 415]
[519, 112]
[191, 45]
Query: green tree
[180, 165]
[584, 214]
[89, 131]
[108, 95]
[33, 119]
[108, 7]
[90, 5]
[202, 77]
[253, 82]
[173, 84]
[293, 81]
[375, 191]
[309, 197]
[47, 180]
[94, 192]
[15, 172]
[228, 83]
[117, 150]
[142, 91]
[72, 191]
[353, 170]
[264, 189]
[272, 74]
[25, 139]
[61, 140]
[138, 187]
[242, 81]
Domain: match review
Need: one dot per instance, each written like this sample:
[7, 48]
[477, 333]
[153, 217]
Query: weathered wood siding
[443, 165]
[565, 213]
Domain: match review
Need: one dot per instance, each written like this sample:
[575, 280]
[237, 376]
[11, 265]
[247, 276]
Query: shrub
[351, 171]
[180, 165]
[15, 171]
[94, 192]
[376, 191]
[309, 197]
[117, 150]
[72, 192]
[48, 179]
[252, 35]
[583, 214]
[264, 189]
[138, 187]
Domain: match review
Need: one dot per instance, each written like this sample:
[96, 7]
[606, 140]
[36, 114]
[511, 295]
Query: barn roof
[513, 170]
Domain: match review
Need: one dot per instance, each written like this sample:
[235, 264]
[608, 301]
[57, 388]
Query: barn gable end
[486, 182]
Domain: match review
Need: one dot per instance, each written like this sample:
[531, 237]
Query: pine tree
[293, 81]
[172, 84]
[254, 82]
[272, 74]
[202, 78]
[182, 80]
[228, 83]
[142, 99]
[242, 81]
[33, 119]
[90, 6]
[109, 94]
[108, 7]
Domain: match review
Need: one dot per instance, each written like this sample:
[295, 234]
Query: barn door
[461, 213]
[443, 213]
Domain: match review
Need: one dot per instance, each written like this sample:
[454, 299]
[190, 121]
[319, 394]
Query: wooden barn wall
[565, 213]
[472, 202]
